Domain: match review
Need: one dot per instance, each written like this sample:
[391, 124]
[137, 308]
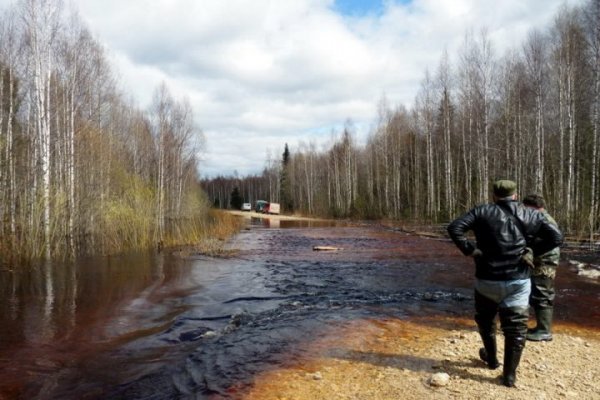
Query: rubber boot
[485, 313]
[514, 326]
[543, 330]
[513, 348]
[537, 323]
[488, 352]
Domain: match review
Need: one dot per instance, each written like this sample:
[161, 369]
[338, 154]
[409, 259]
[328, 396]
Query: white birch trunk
[595, 24]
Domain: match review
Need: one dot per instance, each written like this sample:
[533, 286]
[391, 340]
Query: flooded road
[165, 326]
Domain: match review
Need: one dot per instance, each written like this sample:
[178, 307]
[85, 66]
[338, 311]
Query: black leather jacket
[501, 242]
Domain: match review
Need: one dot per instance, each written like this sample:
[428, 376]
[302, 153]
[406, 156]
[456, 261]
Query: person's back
[501, 239]
[504, 233]
[542, 295]
[546, 263]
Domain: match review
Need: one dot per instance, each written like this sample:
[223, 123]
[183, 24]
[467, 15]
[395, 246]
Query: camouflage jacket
[545, 265]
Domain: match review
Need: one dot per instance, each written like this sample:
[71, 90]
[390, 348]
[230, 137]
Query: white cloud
[262, 73]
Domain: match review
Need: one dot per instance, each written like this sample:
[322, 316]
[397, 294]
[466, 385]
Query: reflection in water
[276, 222]
[59, 314]
[72, 309]
[47, 326]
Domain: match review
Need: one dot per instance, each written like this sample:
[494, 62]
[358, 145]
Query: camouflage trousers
[544, 270]
[542, 291]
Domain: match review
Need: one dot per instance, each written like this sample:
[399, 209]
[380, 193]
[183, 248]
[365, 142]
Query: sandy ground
[253, 214]
[396, 359]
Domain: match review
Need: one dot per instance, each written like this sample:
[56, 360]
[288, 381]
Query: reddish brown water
[161, 327]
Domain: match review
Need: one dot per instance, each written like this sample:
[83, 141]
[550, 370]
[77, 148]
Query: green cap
[504, 188]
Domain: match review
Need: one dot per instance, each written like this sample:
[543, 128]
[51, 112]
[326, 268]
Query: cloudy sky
[262, 73]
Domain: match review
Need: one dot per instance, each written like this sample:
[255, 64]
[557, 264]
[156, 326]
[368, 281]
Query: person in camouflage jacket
[542, 280]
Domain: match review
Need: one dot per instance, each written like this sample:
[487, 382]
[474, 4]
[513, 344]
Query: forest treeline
[82, 169]
[531, 115]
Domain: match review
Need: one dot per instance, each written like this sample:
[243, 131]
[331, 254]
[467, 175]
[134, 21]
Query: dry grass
[220, 227]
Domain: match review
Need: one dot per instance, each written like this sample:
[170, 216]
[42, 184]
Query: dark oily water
[160, 327]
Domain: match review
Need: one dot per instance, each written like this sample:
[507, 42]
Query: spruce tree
[285, 194]
[236, 199]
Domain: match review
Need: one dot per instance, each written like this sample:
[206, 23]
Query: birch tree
[161, 113]
[9, 60]
[593, 34]
[447, 128]
[41, 19]
[567, 53]
[537, 74]
[426, 113]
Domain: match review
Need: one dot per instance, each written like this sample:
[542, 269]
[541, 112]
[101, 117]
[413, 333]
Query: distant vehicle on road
[264, 207]
[272, 208]
[260, 205]
[246, 207]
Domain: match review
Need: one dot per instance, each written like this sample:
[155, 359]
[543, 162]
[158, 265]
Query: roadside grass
[219, 227]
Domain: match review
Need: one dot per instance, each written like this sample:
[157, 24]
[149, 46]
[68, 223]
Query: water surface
[160, 326]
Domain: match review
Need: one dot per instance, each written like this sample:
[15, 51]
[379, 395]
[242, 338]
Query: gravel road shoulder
[396, 359]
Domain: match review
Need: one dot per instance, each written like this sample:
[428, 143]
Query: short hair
[534, 200]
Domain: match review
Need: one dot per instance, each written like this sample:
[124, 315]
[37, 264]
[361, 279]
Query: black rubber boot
[514, 326]
[488, 353]
[513, 348]
[543, 330]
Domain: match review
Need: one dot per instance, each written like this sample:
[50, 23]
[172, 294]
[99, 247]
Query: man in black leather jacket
[503, 252]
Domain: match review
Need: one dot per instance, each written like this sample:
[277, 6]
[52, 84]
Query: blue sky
[358, 8]
[263, 73]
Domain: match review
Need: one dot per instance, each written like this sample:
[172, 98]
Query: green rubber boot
[543, 330]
